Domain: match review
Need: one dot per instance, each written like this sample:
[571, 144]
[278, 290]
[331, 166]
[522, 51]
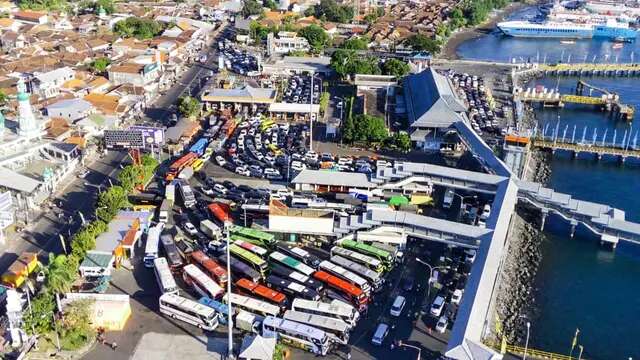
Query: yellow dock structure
[600, 69]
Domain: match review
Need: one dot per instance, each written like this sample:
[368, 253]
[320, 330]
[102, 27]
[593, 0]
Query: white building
[48, 84]
[285, 43]
[70, 109]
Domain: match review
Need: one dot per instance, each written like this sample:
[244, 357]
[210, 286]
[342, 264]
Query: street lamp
[431, 269]
[229, 311]
[526, 343]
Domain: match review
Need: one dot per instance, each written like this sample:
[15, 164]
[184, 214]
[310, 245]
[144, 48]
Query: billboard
[151, 135]
[127, 139]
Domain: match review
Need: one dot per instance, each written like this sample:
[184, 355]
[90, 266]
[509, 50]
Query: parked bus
[251, 288]
[292, 263]
[220, 308]
[252, 259]
[171, 251]
[179, 165]
[240, 269]
[346, 275]
[293, 275]
[291, 288]
[346, 290]
[369, 250]
[372, 263]
[166, 282]
[266, 124]
[210, 267]
[375, 278]
[251, 305]
[151, 248]
[200, 282]
[296, 334]
[188, 311]
[254, 236]
[336, 328]
[257, 250]
[334, 309]
[188, 198]
[199, 146]
[299, 253]
[222, 212]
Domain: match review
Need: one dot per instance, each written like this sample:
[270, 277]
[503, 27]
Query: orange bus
[346, 290]
[179, 165]
[248, 287]
[210, 267]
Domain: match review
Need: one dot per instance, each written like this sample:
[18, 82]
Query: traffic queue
[277, 287]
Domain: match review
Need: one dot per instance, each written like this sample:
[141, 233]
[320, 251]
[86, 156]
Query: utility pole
[313, 74]
[230, 311]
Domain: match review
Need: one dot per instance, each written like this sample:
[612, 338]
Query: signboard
[152, 136]
[6, 210]
[127, 139]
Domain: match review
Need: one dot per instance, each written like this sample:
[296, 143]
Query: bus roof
[294, 327]
[323, 322]
[183, 302]
[341, 309]
[253, 304]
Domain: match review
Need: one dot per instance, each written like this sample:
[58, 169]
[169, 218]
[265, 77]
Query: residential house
[97, 45]
[9, 24]
[99, 85]
[130, 47]
[285, 43]
[330, 28]
[70, 109]
[132, 73]
[48, 84]
[31, 17]
[10, 40]
[106, 104]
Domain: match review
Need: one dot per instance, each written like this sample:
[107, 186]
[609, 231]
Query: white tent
[257, 348]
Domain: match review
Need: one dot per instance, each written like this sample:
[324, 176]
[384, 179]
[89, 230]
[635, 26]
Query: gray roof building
[332, 178]
[431, 101]
[245, 94]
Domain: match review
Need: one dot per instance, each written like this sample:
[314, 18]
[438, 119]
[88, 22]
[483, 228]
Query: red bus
[180, 164]
[356, 296]
[210, 267]
[248, 287]
[221, 211]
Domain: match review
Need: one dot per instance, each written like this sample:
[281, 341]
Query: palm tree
[60, 274]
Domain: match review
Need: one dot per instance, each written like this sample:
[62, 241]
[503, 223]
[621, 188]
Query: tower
[1, 124]
[27, 124]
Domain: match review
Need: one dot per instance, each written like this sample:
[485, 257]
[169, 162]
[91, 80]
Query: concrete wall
[301, 225]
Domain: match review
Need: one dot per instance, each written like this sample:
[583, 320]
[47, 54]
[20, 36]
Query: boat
[567, 42]
[617, 46]
[567, 30]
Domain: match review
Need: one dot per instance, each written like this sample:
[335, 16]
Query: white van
[381, 333]
[398, 305]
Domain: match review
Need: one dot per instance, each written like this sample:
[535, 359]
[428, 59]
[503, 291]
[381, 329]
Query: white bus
[373, 263]
[188, 311]
[166, 282]
[296, 334]
[252, 305]
[336, 328]
[335, 309]
[188, 198]
[200, 282]
[151, 248]
[375, 278]
[346, 275]
[289, 261]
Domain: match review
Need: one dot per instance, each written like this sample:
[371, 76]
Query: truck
[210, 229]
[186, 173]
[448, 198]
[249, 322]
[221, 211]
[165, 210]
[170, 193]
[20, 270]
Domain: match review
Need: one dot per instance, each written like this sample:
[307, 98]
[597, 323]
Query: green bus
[254, 236]
[252, 259]
[369, 250]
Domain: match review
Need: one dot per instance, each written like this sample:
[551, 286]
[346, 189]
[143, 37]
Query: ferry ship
[568, 30]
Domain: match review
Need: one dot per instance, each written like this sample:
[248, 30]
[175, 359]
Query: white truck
[165, 211]
[170, 193]
[249, 322]
[210, 229]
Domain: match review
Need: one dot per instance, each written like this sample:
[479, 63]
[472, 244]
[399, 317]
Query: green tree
[188, 106]
[130, 176]
[395, 67]
[356, 43]
[403, 141]
[329, 10]
[108, 6]
[60, 273]
[139, 28]
[3, 98]
[341, 61]
[369, 129]
[99, 65]
[457, 19]
[49, 5]
[251, 7]
[324, 102]
[316, 36]
[40, 316]
[110, 201]
[420, 42]
[365, 65]
[270, 4]
[75, 326]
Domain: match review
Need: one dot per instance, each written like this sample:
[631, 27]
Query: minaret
[26, 120]
[1, 124]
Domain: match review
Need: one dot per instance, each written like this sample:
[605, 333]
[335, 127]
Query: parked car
[442, 324]
[437, 306]
[398, 305]
[380, 334]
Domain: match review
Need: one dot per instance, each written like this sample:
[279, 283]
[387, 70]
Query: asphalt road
[79, 195]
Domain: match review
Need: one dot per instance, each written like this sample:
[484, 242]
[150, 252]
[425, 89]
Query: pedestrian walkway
[170, 346]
